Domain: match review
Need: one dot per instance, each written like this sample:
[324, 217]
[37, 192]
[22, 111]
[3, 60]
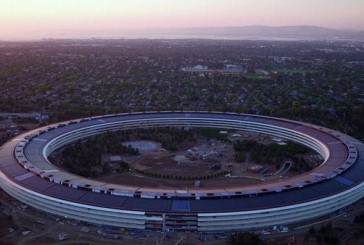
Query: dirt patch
[206, 159]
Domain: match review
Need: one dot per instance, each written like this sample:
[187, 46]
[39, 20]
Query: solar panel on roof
[181, 205]
[343, 181]
[24, 176]
[263, 200]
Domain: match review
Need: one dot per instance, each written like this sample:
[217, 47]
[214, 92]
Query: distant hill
[254, 32]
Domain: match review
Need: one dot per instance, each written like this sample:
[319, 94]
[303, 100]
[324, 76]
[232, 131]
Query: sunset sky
[27, 19]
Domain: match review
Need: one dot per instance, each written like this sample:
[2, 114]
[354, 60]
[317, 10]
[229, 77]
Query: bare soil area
[204, 159]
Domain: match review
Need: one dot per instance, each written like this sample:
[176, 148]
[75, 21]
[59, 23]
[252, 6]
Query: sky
[33, 19]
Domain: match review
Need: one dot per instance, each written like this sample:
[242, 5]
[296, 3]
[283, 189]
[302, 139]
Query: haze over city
[181, 122]
[35, 19]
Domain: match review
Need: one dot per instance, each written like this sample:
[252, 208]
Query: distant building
[229, 69]
[36, 115]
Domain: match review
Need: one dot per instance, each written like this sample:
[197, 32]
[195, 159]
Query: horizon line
[107, 34]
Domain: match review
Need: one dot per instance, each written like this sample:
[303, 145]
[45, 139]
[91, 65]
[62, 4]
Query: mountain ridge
[257, 31]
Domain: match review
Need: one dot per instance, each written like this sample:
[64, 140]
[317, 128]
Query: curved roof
[341, 171]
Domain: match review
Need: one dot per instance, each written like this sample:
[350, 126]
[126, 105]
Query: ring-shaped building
[27, 175]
